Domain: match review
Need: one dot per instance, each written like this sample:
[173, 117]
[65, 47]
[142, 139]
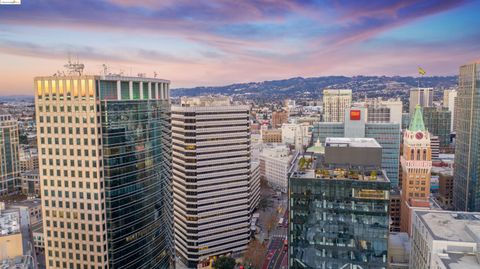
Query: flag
[421, 71]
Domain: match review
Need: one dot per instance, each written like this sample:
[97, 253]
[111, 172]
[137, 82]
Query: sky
[199, 43]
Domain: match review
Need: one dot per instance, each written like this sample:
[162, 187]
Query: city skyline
[218, 43]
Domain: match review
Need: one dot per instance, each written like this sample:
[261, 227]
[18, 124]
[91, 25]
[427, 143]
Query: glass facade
[388, 136]
[466, 188]
[9, 156]
[136, 143]
[438, 122]
[338, 223]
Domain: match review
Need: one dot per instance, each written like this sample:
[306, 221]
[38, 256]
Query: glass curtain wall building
[339, 213]
[466, 187]
[9, 155]
[105, 171]
[438, 123]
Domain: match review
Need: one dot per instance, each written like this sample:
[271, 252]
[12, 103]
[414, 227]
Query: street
[277, 252]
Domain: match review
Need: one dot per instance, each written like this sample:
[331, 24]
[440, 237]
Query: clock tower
[416, 164]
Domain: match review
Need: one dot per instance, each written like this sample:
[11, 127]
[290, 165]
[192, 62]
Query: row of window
[73, 173]
[61, 119]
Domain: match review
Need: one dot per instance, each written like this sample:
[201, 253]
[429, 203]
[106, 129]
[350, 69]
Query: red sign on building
[354, 114]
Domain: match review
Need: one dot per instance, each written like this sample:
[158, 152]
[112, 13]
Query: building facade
[271, 135]
[339, 208]
[416, 164]
[211, 179]
[296, 134]
[28, 160]
[334, 104]
[31, 183]
[466, 185]
[420, 96]
[274, 165]
[279, 118]
[449, 97]
[438, 123]
[445, 190]
[9, 155]
[355, 125]
[383, 111]
[254, 186]
[105, 172]
[395, 207]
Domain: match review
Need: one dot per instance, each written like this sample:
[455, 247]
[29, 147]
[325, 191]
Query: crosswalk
[282, 232]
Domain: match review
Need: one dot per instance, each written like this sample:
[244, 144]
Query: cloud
[215, 42]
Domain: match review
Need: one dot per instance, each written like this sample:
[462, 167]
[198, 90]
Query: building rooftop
[313, 167]
[206, 101]
[279, 151]
[452, 226]
[20, 262]
[351, 142]
[459, 261]
[337, 91]
[27, 203]
[9, 222]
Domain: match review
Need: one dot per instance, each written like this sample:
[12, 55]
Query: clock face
[419, 135]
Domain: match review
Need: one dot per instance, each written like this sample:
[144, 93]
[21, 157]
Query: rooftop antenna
[74, 68]
[105, 69]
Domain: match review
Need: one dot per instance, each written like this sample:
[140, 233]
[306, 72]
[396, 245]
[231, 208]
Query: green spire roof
[416, 124]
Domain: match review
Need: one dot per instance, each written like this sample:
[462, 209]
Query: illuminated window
[75, 88]
[83, 88]
[60, 87]
[54, 87]
[46, 90]
[67, 86]
[90, 87]
[39, 87]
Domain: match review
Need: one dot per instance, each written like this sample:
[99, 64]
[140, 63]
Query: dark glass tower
[466, 187]
[339, 209]
[136, 139]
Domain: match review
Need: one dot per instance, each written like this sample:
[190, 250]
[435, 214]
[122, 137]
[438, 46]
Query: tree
[255, 254]
[271, 222]
[224, 262]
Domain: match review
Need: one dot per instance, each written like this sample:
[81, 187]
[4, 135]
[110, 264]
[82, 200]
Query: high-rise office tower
[334, 104]
[105, 171]
[339, 208]
[211, 176]
[416, 164]
[355, 125]
[449, 97]
[420, 96]
[437, 121]
[9, 155]
[466, 185]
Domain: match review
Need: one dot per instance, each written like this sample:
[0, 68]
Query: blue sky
[195, 43]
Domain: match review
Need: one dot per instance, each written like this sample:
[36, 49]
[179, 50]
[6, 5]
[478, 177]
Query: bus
[285, 244]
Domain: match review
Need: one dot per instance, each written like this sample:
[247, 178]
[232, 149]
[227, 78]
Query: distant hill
[300, 87]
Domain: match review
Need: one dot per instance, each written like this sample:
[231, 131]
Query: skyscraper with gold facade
[416, 163]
